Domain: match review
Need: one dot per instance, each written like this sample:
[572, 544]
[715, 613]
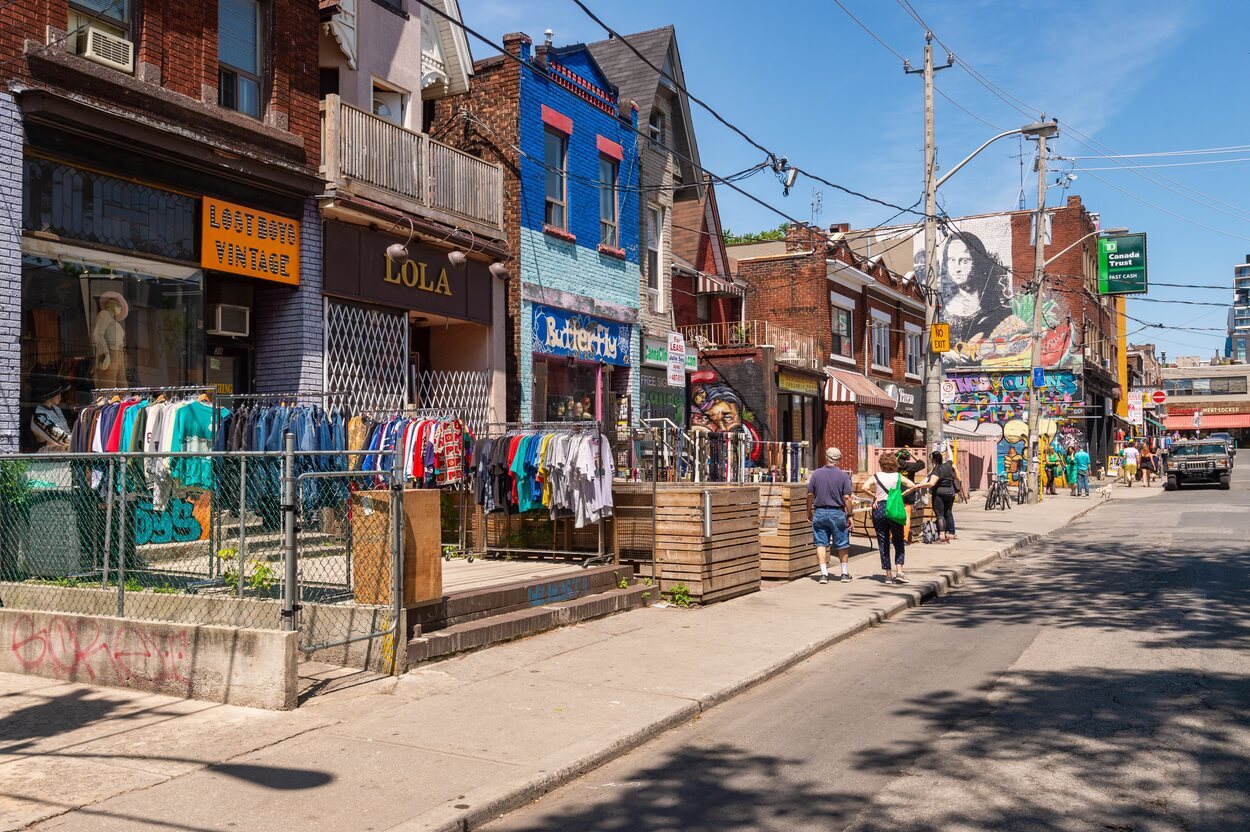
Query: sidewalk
[451, 745]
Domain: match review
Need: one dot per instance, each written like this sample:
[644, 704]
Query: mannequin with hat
[48, 425]
[109, 337]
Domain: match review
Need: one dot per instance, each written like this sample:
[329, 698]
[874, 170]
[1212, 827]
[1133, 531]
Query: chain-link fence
[271, 540]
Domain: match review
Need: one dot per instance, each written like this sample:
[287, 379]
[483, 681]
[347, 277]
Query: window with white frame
[842, 327]
[880, 342]
[913, 347]
[609, 228]
[555, 156]
[655, 230]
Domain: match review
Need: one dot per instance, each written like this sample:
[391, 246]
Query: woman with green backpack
[889, 514]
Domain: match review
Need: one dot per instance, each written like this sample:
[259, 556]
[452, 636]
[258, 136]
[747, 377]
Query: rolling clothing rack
[499, 430]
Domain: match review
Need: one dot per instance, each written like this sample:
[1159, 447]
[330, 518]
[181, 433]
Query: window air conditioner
[109, 50]
[230, 320]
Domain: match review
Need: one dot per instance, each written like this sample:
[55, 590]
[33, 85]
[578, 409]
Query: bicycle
[998, 496]
[1023, 490]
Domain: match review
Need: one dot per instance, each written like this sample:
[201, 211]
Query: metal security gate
[366, 354]
[463, 392]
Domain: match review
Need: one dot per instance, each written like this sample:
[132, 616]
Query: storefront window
[564, 391]
[660, 400]
[796, 416]
[92, 320]
[871, 433]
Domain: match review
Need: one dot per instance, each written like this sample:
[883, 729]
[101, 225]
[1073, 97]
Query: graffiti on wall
[107, 652]
[183, 520]
[719, 406]
[990, 319]
[998, 398]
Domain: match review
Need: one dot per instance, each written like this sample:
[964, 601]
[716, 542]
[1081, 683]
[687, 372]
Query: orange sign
[245, 241]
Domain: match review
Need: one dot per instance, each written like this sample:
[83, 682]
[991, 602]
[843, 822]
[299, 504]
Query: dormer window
[655, 127]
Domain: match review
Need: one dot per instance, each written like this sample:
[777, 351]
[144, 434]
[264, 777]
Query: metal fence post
[242, 517]
[289, 492]
[121, 548]
[108, 527]
[397, 538]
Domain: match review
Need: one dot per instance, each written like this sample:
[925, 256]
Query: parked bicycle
[998, 495]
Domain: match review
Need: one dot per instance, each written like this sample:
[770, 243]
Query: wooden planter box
[371, 547]
[717, 568]
[786, 548]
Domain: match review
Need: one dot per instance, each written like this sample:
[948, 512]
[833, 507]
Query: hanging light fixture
[398, 252]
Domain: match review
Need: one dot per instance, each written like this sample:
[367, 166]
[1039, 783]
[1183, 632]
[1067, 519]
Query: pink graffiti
[69, 649]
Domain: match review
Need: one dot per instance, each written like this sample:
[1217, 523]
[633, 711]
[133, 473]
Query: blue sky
[804, 80]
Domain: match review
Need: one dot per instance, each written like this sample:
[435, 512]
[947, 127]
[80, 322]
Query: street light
[933, 369]
[1035, 398]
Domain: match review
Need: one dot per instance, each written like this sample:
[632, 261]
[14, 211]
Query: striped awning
[712, 284]
[848, 386]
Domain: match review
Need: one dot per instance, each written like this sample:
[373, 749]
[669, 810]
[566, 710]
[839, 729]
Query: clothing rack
[496, 430]
[189, 389]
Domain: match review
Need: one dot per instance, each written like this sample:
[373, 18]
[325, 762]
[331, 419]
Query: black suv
[1199, 460]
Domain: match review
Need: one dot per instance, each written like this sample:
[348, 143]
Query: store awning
[911, 423]
[1214, 421]
[847, 386]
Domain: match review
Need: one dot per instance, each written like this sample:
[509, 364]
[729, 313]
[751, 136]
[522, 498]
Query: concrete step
[495, 629]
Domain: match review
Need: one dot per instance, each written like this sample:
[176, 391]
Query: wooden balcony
[789, 347]
[371, 158]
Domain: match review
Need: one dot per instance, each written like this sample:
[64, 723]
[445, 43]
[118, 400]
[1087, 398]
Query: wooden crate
[371, 547]
[786, 547]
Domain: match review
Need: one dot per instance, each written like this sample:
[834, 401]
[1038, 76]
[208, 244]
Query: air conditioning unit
[109, 50]
[227, 319]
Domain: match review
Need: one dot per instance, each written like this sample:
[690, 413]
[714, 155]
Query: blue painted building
[578, 250]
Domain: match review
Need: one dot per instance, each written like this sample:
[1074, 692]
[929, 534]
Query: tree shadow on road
[1090, 749]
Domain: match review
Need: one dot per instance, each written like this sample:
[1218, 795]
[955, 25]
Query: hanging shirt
[192, 431]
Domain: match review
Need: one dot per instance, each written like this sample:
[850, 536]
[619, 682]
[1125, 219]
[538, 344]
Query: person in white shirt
[888, 531]
[1131, 457]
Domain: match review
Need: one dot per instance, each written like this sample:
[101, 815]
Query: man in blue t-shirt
[829, 505]
[1081, 461]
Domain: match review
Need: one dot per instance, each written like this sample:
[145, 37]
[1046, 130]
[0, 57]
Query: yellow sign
[798, 384]
[940, 337]
[245, 241]
[415, 275]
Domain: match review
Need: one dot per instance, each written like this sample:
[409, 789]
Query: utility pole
[1035, 360]
[933, 360]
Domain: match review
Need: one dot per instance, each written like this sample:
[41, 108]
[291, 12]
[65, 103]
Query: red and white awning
[847, 386]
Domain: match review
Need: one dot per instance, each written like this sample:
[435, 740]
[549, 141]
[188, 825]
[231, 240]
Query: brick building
[569, 151]
[984, 262]
[158, 203]
[864, 322]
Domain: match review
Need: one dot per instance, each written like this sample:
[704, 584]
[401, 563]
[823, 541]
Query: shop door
[366, 355]
[228, 368]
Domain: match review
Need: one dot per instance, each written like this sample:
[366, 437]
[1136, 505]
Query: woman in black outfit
[943, 483]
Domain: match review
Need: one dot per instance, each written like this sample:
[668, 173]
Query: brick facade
[10, 269]
[289, 322]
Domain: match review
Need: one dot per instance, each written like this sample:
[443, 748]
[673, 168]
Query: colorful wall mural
[729, 400]
[990, 319]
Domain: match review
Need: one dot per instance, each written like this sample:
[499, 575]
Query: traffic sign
[940, 337]
[1159, 397]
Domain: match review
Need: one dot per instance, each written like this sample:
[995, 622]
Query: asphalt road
[1098, 682]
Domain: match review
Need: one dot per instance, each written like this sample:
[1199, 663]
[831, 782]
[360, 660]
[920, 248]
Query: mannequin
[109, 337]
[48, 425]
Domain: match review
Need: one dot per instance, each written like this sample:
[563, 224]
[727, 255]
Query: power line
[778, 161]
[1165, 165]
[1236, 148]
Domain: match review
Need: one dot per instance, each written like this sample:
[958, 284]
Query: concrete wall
[320, 623]
[216, 664]
[10, 268]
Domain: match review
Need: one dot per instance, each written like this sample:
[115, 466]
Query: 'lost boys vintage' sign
[241, 240]
[357, 268]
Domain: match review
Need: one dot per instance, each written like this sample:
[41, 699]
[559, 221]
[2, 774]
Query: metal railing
[359, 147]
[789, 347]
[268, 540]
[677, 455]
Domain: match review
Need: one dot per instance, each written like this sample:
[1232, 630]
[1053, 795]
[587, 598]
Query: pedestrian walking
[829, 507]
[1130, 456]
[883, 487]
[1149, 463]
[1080, 461]
[944, 486]
[909, 466]
[1052, 469]
[1069, 470]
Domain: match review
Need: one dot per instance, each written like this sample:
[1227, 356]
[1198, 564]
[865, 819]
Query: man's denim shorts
[830, 528]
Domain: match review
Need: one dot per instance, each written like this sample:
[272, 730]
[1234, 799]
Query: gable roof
[637, 81]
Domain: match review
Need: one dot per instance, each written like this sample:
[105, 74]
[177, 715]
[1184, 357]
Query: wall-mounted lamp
[457, 258]
[499, 270]
[397, 252]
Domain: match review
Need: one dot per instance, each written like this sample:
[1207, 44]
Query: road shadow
[1092, 749]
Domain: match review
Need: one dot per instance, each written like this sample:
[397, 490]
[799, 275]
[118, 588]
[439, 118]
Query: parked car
[1199, 460]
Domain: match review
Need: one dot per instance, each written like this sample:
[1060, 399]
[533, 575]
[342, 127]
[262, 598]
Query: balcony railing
[789, 347]
[370, 156]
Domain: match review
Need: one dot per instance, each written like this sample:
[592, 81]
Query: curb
[915, 596]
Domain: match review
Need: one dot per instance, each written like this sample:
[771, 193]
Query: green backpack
[894, 508]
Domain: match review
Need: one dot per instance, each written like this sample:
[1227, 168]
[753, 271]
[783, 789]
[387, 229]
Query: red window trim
[610, 148]
[557, 121]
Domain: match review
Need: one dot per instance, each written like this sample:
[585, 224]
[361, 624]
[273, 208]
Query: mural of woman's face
[724, 415]
[958, 262]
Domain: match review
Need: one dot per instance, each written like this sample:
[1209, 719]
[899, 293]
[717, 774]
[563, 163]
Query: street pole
[1035, 360]
[933, 360]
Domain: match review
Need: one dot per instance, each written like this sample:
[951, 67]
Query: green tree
[778, 233]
